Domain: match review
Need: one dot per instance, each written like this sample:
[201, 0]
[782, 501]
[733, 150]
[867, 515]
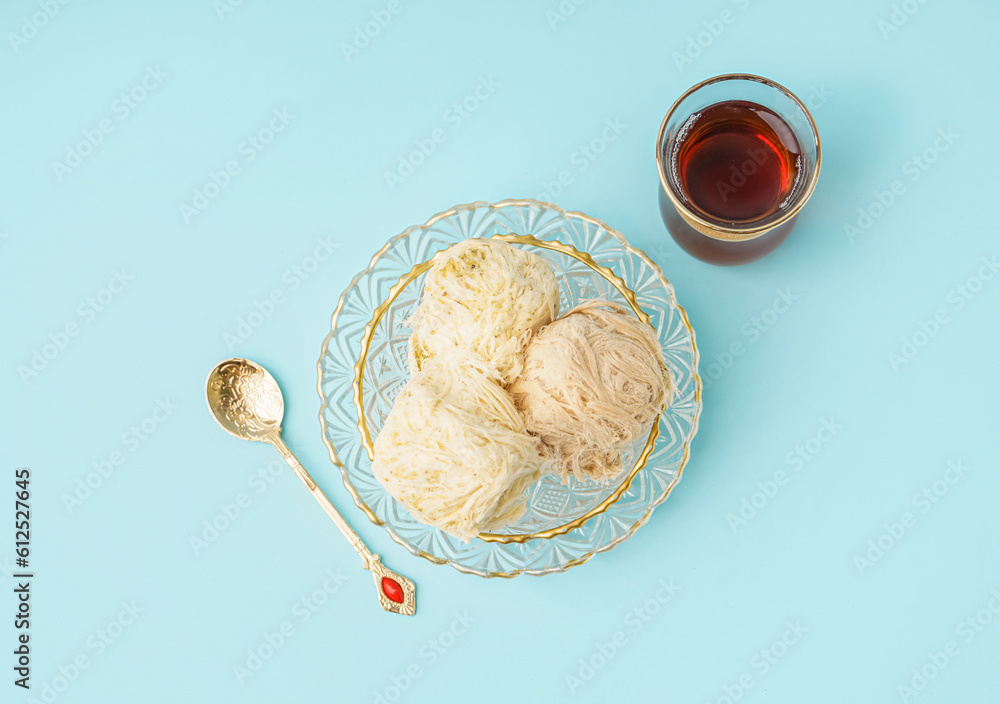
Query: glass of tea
[738, 156]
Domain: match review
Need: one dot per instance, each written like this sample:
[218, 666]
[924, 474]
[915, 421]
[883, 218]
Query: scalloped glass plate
[576, 521]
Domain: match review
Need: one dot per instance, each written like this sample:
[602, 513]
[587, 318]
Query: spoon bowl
[245, 399]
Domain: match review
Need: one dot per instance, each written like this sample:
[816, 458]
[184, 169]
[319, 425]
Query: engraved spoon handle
[396, 593]
[275, 439]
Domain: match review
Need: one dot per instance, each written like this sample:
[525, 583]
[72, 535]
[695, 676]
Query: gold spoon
[246, 401]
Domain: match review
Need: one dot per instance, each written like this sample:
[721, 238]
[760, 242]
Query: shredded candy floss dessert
[593, 381]
[485, 297]
[458, 449]
[455, 453]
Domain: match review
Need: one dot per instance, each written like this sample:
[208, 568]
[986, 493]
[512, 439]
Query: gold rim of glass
[714, 229]
[515, 202]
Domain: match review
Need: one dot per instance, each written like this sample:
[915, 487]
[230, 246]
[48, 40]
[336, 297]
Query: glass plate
[363, 365]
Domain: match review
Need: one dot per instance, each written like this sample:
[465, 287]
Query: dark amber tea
[738, 162]
[738, 156]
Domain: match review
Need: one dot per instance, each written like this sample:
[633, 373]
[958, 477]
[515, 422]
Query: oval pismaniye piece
[392, 590]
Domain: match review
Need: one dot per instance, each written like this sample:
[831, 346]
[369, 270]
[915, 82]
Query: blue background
[880, 94]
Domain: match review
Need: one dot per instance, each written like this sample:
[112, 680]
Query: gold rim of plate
[571, 251]
[407, 279]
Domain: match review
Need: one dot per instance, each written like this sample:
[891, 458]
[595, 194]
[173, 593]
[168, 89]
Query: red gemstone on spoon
[392, 590]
